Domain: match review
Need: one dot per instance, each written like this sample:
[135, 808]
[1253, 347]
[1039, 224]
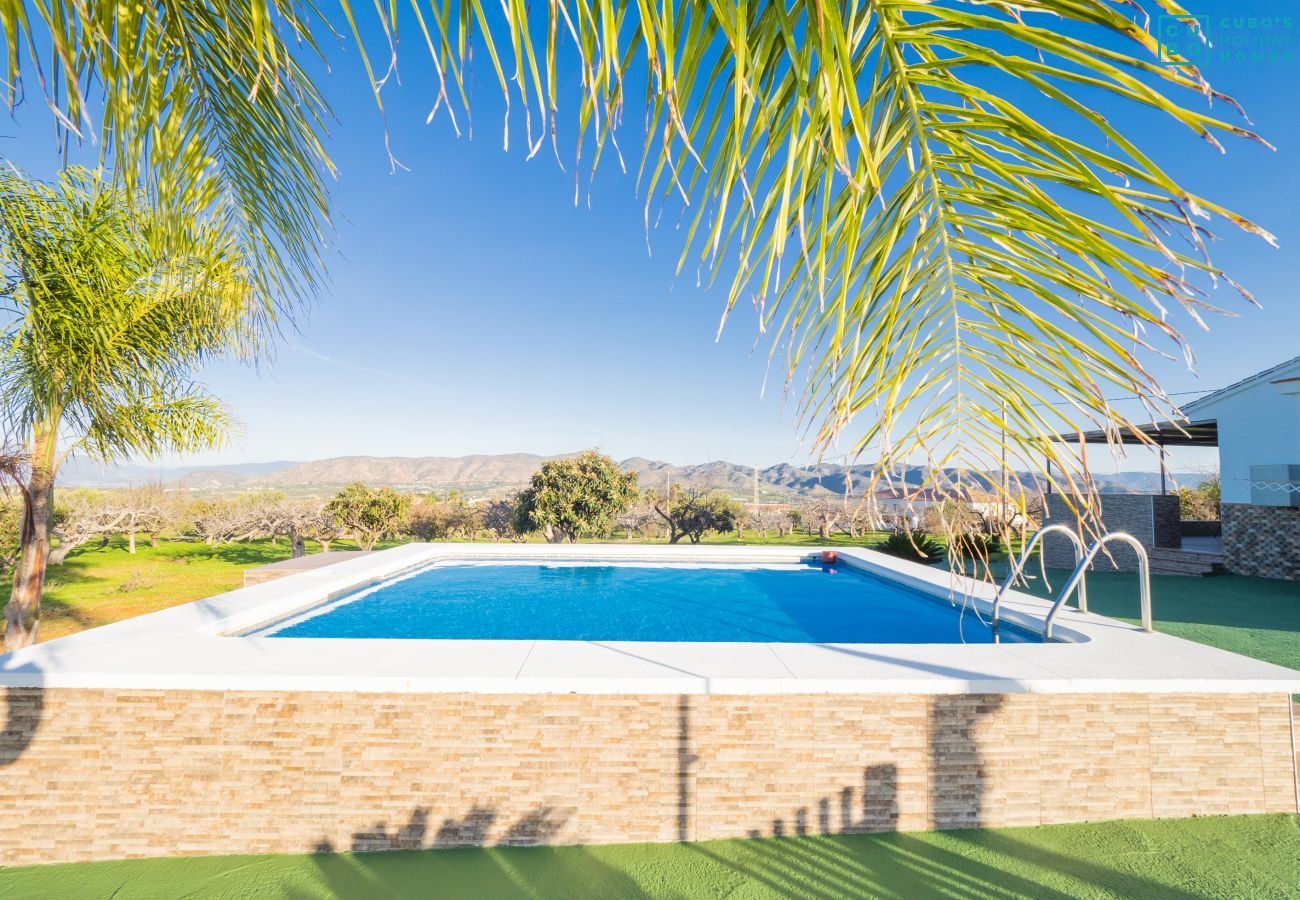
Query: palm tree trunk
[23, 611]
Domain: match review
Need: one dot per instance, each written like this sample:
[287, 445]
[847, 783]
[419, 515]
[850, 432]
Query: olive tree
[691, 513]
[499, 517]
[823, 514]
[764, 521]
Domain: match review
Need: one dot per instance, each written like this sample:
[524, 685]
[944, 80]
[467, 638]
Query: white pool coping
[191, 647]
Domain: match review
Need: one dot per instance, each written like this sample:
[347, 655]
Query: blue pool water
[799, 603]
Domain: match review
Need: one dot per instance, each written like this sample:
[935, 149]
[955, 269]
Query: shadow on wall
[535, 828]
[24, 713]
[819, 858]
[380, 875]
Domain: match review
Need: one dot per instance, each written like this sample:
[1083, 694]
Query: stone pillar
[1261, 540]
[1151, 518]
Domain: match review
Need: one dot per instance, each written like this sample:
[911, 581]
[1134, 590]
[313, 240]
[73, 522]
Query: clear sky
[473, 309]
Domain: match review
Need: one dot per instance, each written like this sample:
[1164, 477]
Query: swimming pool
[639, 601]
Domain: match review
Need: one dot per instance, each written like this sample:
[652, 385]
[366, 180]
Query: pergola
[1204, 433]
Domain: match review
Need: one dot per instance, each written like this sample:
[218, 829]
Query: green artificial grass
[1241, 856]
[1257, 617]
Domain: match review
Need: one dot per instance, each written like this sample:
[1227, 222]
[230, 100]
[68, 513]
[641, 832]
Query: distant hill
[489, 473]
[411, 471]
[81, 472]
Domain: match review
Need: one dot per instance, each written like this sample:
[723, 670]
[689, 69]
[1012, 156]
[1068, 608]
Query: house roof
[1199, 430]
[1274, 374]
[1166, 434]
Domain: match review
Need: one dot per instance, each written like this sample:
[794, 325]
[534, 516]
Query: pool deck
[192, 647]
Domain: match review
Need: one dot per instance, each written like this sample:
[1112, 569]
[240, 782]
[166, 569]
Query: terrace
[623, 741]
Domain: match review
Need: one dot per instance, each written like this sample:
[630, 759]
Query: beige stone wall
[98, 774]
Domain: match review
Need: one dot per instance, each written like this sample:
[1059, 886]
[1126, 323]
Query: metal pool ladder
[1076, 579]
[1018, 566]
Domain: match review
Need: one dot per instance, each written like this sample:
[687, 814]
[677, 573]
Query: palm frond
[206, 103]
[112, 309]
[184, 420]
[955, 251]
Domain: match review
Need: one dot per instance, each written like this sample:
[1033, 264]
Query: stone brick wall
[1151, 518]
[100, 774]
[1262, 540]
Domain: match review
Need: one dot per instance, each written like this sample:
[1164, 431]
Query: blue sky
[474, 309]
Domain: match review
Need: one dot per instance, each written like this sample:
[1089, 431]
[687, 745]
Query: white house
[1258, 425]
[1258, 421]
[1255, 423]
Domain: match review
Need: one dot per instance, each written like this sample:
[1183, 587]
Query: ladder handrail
[1018, 565]
[1144, 578]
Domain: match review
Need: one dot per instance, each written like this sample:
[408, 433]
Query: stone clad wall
[101, 774]
[1151, 518]
[1261, 540]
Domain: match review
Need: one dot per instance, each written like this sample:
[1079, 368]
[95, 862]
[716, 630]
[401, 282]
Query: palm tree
[943, 233]
[110, 311]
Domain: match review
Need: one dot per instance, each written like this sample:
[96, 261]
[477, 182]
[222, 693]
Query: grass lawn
[1241, 856]
[99, 585]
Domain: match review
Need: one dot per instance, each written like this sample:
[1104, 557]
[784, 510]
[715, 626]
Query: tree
[367, 514]
[80, 516]
[234, 519]
[767, 520]
[954, 518]
[112, 310]
[691, 513]
[1200, 503]
[968, 243]
[443, 518]
[824, 514]
[147, 509]
[571, 497]
[298, 520]
[500, 516]
[639, 519]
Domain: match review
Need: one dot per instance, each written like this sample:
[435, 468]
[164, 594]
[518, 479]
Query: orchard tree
[111, 309]
[147, 509]
[570, 497]
[824, 514]
[499, 517]
[767, 520]
[367, 514]
[435, 518]
[230, 520]
[637, 519]
[298, 520]
[82, 515]
[689, 513]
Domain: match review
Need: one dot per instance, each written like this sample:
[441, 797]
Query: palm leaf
[954, 250]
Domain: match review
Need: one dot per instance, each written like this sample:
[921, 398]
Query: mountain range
[484, 473]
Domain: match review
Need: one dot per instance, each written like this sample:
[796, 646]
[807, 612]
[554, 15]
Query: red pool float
[830, 557]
